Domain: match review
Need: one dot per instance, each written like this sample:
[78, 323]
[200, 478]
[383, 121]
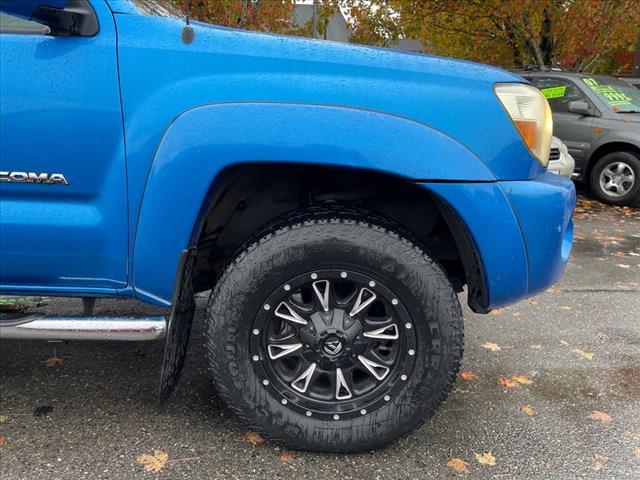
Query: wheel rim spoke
[343, 392]
[374, 368]
[286, 312]
[278, 351]
[389, 332]
[302, 382]
[361, 302]
[321, 289]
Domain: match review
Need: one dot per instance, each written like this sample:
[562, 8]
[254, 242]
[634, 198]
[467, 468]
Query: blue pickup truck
[333, 198]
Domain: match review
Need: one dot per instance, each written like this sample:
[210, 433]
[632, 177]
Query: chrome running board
[53, 327]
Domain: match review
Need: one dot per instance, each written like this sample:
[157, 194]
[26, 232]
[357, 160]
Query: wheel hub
[617, 179]
[332, 346]
[333, 343]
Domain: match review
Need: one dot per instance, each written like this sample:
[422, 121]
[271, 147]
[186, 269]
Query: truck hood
[228, 65]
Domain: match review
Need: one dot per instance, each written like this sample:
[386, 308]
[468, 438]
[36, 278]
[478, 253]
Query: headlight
[531, 115]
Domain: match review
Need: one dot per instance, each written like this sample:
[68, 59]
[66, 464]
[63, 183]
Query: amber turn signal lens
[531, 115]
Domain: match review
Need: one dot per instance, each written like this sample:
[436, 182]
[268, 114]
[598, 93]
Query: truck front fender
[202, 142]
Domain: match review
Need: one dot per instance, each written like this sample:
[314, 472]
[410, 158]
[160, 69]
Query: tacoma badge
[32, 177]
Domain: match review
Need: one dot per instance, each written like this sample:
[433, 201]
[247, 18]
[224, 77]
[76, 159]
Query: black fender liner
[178, 326]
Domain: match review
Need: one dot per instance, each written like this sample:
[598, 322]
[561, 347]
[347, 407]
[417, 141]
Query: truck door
[63, 198]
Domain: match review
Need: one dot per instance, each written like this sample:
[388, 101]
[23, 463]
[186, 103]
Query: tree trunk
[547, 43]
[636, 60]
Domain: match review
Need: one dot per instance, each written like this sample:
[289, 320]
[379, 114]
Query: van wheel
[615, 178]
[333, 333]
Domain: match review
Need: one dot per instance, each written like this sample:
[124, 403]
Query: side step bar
[50, 327]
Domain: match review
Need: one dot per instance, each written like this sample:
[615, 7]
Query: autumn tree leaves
[584, 35]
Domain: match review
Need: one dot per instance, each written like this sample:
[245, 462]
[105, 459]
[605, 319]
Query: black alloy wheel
[333, 332]
[333, 344]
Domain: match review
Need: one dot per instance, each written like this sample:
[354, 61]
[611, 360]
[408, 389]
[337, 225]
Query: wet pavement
[571, 356]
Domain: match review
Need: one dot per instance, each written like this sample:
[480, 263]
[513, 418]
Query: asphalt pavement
[552, 390]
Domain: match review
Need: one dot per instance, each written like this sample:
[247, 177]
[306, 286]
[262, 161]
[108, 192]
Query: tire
[626, 165]
[428, 335]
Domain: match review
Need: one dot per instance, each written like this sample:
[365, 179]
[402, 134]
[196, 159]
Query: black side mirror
[77, 18]
[581, 108]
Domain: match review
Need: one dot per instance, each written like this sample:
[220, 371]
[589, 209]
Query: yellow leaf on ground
[497, 311]
[528, 411]
[486, 458]
[505, 382]
[523, 379]
[582, 353]
[468, 376]
[599, 461]
[286, 457]
[459, 465]
[494, 347]
[3, 418]
[536, 347]
[533, 302]
[599, 416]
[155, 462]
[254, 438]
[566, 307]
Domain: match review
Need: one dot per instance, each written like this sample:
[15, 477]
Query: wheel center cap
[332, 346]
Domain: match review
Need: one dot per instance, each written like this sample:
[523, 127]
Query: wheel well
[245, 199]
[606, 149]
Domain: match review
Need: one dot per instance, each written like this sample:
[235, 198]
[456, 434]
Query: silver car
[560, 160]
[598, 118]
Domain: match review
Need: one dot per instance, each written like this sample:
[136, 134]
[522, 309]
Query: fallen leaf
[523, 379]
[486, 458]
[516, 314]
[3, 418]
[468, 376]
[494, 347]
[566, 307]
[533, 302]
[528, 411]
[637, 451]
[1, 440]
[254, 438]
[600, 416]
[536, 347]
[53, 361]
[458, 465]
[286, 457]
[155, 462]
[599, 461]
[497, 311]
[562, 342]
[582, 353]
[552, 290]
[632, 434]
[505, 382]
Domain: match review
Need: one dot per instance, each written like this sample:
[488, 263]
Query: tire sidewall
[418, 282]
[630, 159]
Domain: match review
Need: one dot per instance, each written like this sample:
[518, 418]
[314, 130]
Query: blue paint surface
[142, 124]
